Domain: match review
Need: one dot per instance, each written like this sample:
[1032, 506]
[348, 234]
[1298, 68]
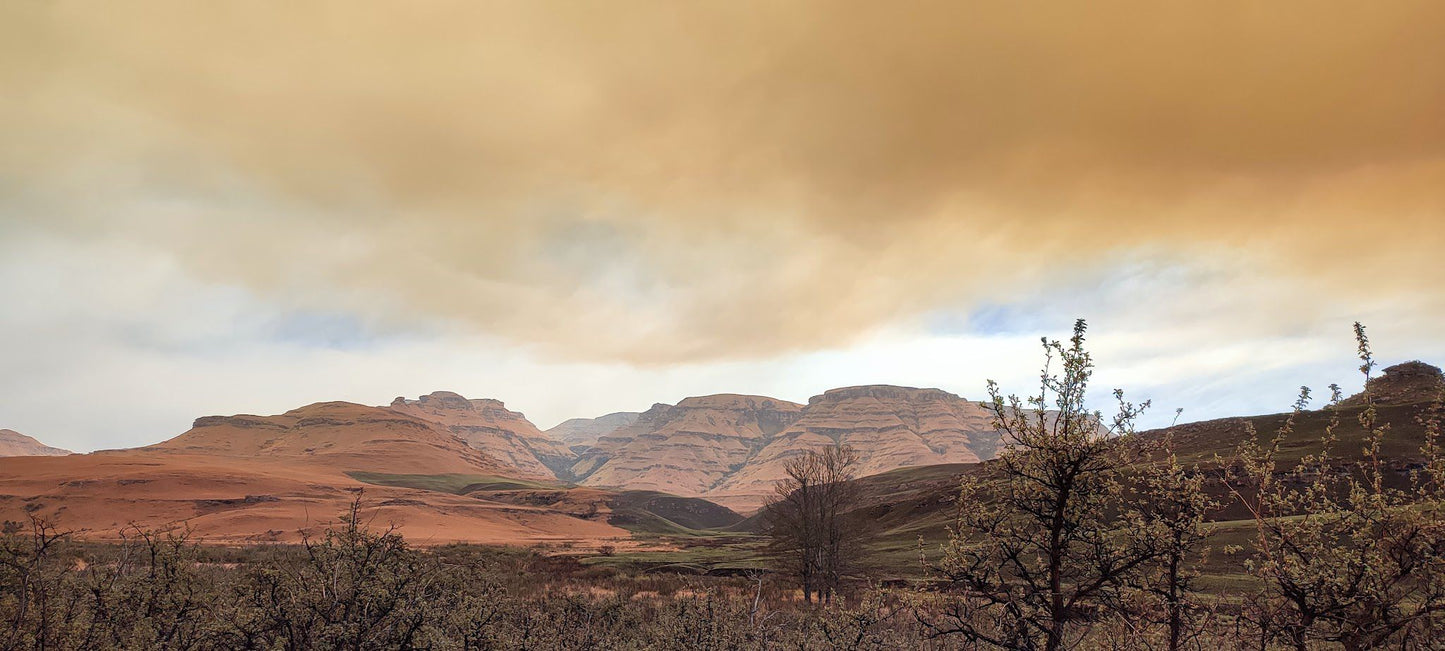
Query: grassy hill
[919, 503]
[641, 512]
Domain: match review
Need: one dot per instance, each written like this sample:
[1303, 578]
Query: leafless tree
[1039, 550]
[813, 521]
[1170, 514]
[1346, 557]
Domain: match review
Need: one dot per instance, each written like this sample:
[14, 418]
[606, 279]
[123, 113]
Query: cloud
[110, 345]
[658, 183]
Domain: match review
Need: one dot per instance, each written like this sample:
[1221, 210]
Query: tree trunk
[1056, 588]
[1176, 616]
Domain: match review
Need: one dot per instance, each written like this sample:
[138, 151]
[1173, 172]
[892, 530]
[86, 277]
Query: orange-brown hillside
[341, 436]
[255, 478]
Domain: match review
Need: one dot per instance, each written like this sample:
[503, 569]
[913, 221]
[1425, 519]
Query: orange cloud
[657, 182]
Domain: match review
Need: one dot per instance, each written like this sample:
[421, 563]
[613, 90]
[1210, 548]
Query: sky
[587, 207]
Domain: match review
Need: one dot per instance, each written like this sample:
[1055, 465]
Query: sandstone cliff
[889, 427]
[489, 426]
[732, 449]
[687, 448]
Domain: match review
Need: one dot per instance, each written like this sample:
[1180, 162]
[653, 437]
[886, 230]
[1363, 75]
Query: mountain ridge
[15, 444]
[732, 448]
[582, 433]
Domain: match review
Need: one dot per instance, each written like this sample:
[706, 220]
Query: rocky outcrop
[1404, 384]
[889, 427]
[582, 433]
[732, 449]
[489, 426]
[687, 448]
[15, 444]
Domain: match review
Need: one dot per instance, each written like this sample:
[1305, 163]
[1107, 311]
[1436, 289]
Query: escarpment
[733, 449]
[687, 448]
[488, 425]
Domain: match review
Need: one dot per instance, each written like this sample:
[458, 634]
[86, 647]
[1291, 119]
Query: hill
[641, 512]
[235, 479]
[15, 444]
[343, 436]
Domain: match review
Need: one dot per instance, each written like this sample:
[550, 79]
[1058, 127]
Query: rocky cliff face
[581, 433]
[489, 426]
[15, 444]
[732, 449]
[687, 448]
[889, 427]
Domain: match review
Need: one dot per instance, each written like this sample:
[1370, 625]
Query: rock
[489, 426]
[887, 426]
[733, 449]
[1403, 384]
[687, 448]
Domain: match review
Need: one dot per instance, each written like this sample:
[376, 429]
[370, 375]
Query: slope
[487, 425]
[276, 478]
[15, 444]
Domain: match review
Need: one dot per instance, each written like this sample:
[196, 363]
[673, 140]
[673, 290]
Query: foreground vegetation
[361, 589]
[1083, 535]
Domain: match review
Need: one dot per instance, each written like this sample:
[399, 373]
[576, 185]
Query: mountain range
[444, 468]
[732, 449]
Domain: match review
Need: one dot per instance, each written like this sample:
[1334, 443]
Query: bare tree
[813, 523]
[1038, 546]
[1170, 514]
[1347, 558]
[40, 610]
